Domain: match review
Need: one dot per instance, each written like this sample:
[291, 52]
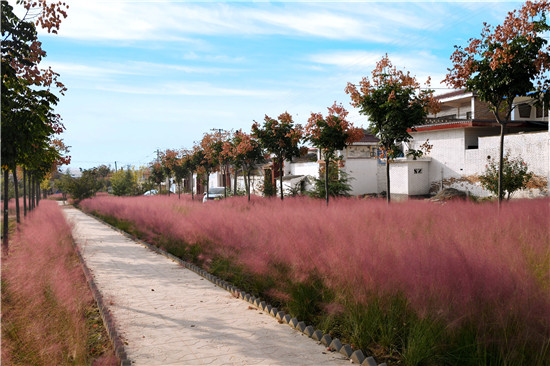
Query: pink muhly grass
[47, 290]
[461, 262]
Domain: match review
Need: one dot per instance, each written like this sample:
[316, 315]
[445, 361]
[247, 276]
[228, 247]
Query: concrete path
[168, 315]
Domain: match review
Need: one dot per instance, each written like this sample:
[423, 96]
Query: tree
[168, 160]
[196, 157]
[246, 153]
[395, 103]
[157, 174]
[279, 137]
[85, 186]
[27, 117]
[181, 168]
[124, 182]
[515, 176]
[331, 134]
[211, 146]
[507, 61]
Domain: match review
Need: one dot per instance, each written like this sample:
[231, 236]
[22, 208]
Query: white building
[464, 136]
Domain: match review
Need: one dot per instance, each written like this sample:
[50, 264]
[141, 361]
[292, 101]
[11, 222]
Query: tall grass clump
[46, 302]
[415, 283]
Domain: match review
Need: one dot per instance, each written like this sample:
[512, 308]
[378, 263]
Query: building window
[524, 111]
[468, 115]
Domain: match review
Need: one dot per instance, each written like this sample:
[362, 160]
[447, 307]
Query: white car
[152, 192]
[214, 193]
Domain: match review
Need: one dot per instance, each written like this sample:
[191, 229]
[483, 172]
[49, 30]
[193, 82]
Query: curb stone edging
[332, 344]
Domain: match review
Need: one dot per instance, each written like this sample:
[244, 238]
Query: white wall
[453, 165]
[310, 168]
[447, 155]
[410, 177]
[363, 175]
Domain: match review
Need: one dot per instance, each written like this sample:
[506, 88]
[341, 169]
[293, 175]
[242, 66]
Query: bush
[338, 184]
[515, 176]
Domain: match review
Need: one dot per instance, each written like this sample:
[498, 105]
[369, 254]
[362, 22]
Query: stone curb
[333, 345]
[104, 311]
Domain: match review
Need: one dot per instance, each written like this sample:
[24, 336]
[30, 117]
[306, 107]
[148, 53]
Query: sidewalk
[168, 315]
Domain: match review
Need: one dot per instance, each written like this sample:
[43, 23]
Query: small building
[464, 135]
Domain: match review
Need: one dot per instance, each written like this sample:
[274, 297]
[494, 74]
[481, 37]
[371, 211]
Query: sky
[144, 76]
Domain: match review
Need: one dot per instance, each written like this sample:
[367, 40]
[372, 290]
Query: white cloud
[180, 21]
[191, 89]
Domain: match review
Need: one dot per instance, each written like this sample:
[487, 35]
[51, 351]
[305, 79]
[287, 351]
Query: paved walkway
[169, 315]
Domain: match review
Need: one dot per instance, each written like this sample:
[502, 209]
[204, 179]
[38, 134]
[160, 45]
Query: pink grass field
[460, 262]
[43, 310]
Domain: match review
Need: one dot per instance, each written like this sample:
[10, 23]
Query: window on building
[524, 111]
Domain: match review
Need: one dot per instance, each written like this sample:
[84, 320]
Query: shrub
[515, 176]
[338, 184]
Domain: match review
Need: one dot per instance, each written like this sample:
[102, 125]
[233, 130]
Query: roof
[367, 137]
[461, 123]
[454, 93]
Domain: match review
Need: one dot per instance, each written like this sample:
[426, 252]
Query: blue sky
[148, 75]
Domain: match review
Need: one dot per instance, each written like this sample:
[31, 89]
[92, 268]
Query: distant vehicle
[152, 192]
[214, 193]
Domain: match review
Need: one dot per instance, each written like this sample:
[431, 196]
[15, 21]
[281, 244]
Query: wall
[454, 166]
[531, 147]
[363, 175]
[410, 177]
[447, 154]
[309, 168]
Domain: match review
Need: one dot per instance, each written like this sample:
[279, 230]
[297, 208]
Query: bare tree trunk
[29, 184]
[247, 184]
[37, 192]
[388, 195]
[224, 178]
[501, 165]
[281, 176]
[5, 238]
[33, 192]
[16, 187]
[207, 184]
[24, 192]
[235, 183]
[327, 163]
[191, 184]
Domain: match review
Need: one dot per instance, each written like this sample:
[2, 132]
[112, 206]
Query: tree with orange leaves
[279, 137]
[169, 159]
[331, 134]
[211, 145]
[246, 153]
[394, 102]
[509, 60]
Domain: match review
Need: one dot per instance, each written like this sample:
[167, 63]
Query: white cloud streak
[182, 21]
